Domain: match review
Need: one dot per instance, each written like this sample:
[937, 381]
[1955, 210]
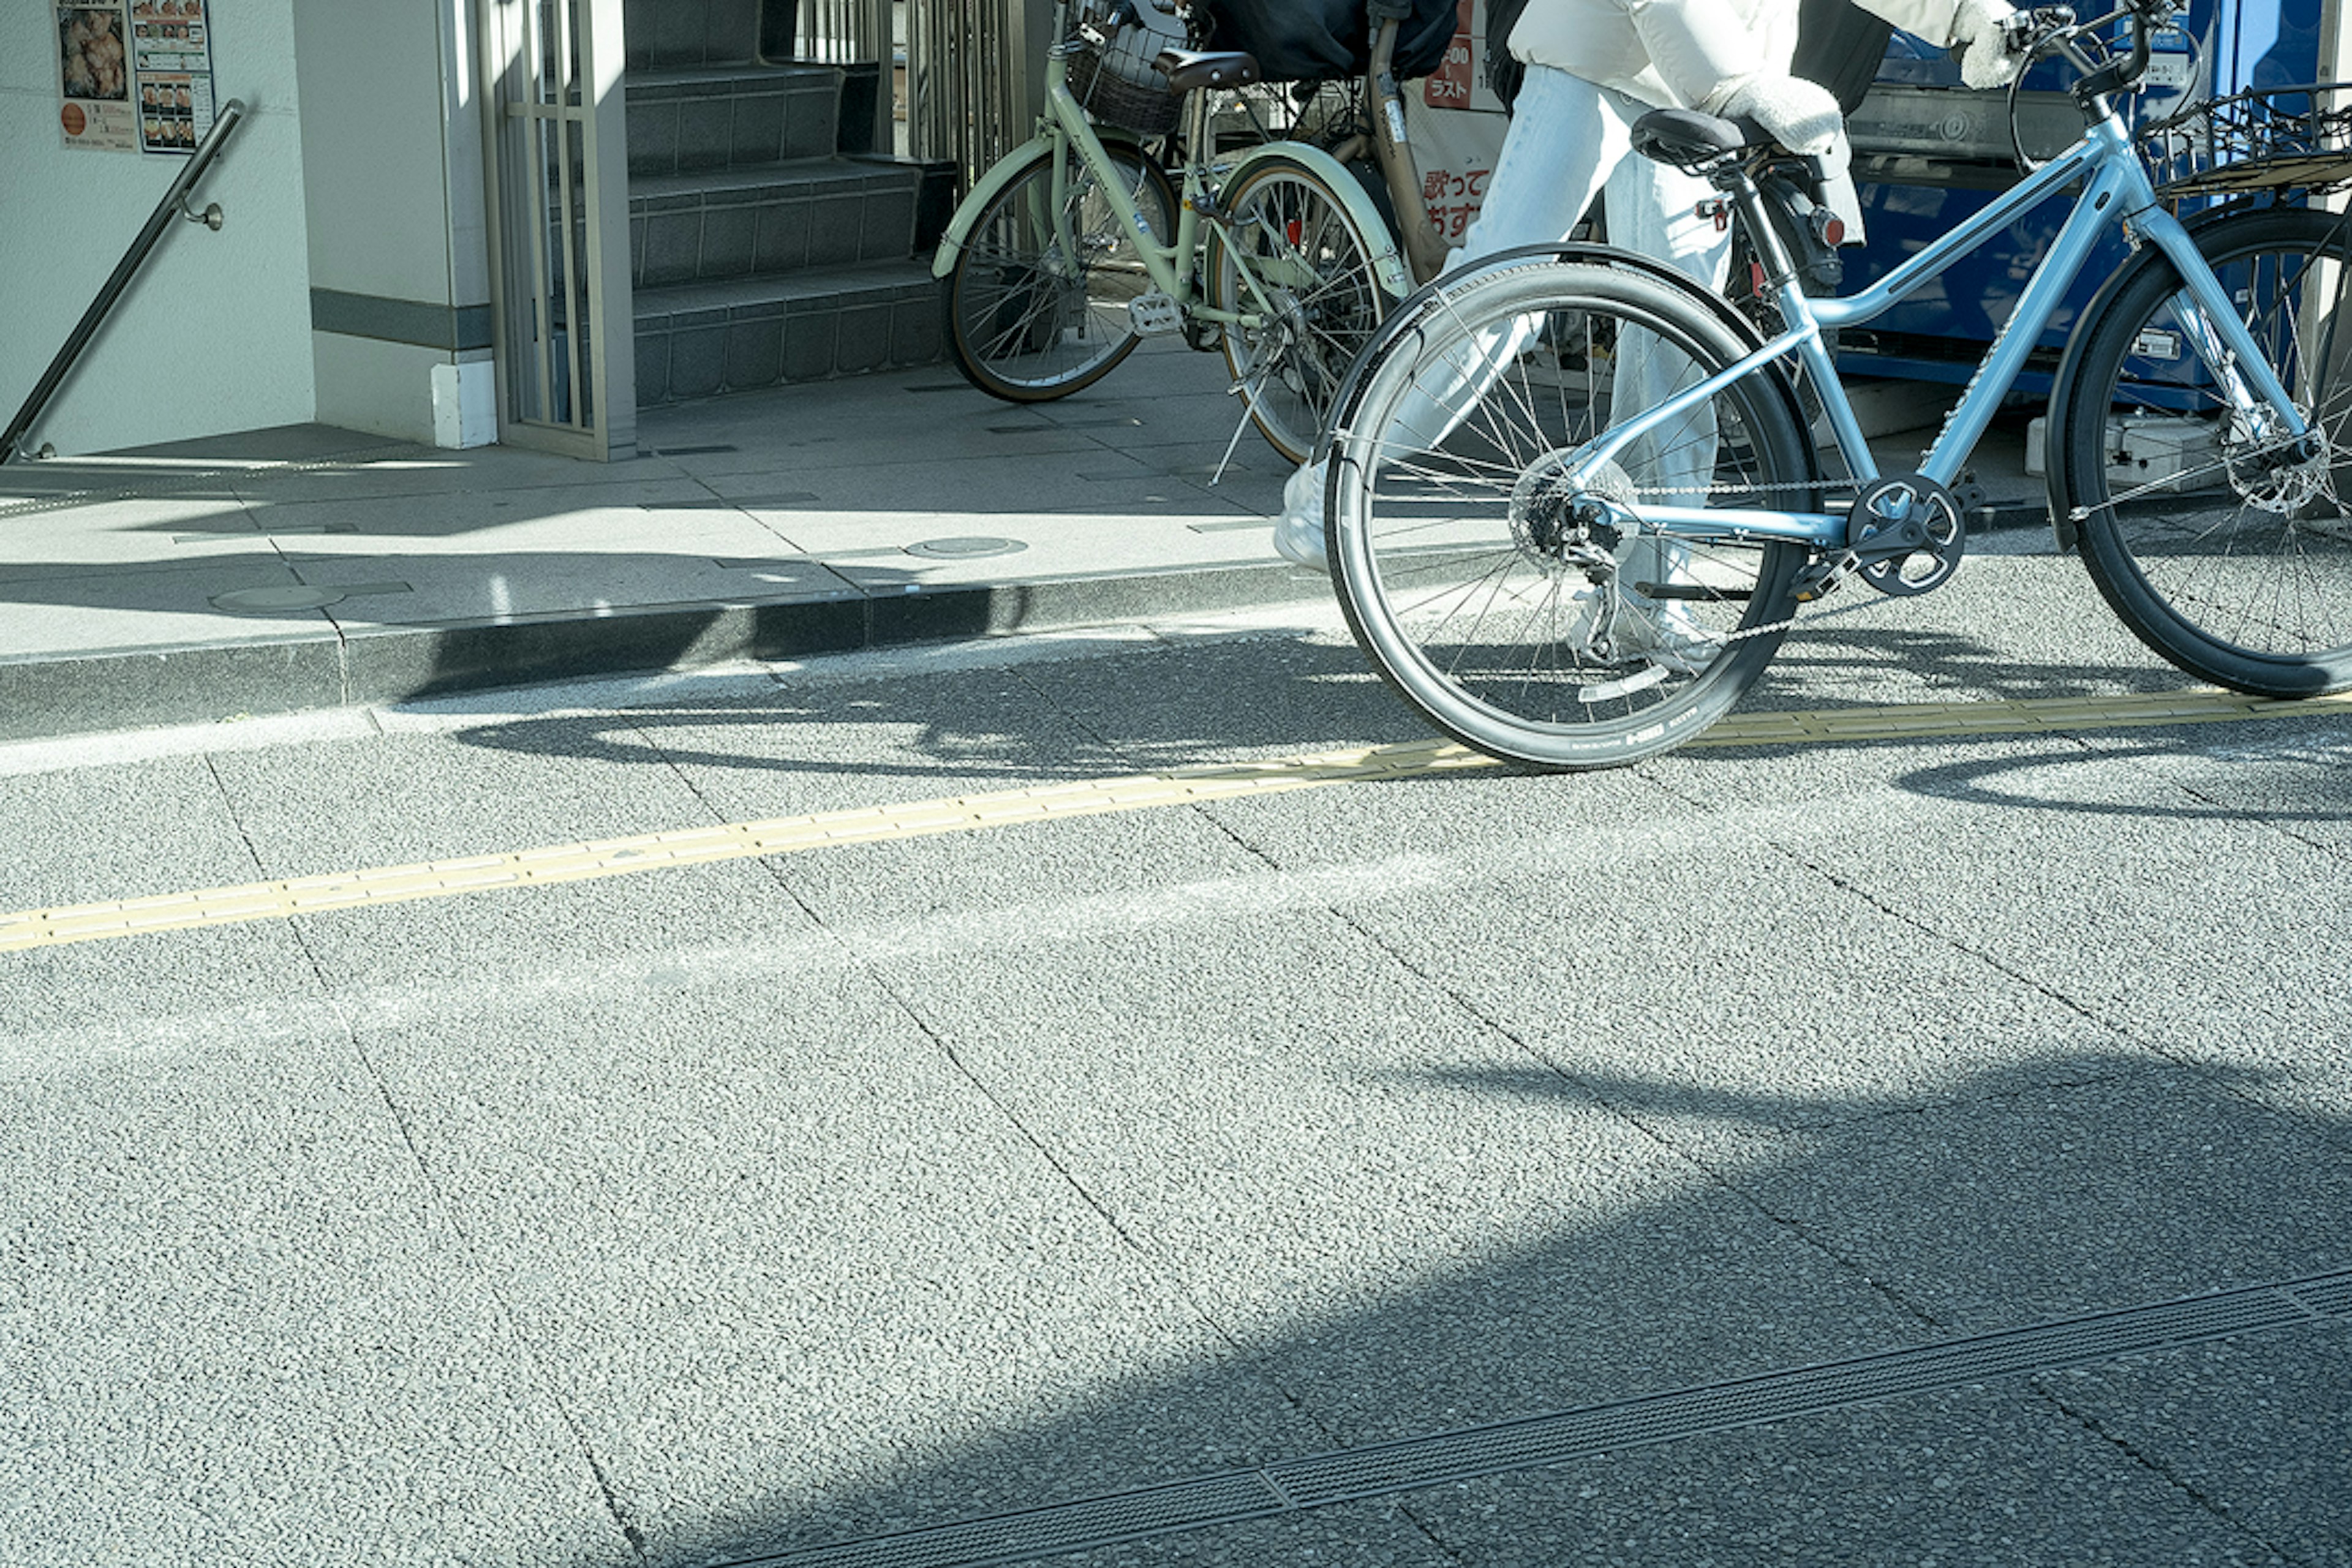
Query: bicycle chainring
[1906, 534]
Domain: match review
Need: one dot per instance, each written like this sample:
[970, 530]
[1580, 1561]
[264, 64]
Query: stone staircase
[768, 240]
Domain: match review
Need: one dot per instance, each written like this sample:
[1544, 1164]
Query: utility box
[2143, 449]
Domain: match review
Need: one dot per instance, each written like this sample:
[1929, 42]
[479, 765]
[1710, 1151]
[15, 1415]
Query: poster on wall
[172, 52]
[136, 76]
[94, 79]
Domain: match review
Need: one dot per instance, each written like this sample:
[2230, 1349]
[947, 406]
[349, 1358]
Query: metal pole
[174, 201]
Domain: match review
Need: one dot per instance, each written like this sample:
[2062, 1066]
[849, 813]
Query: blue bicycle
[1575, 499]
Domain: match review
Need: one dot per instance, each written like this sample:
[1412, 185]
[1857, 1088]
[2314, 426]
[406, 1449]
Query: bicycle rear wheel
[1500, 575]
[2224, 544]
[1287, 232]
[1037, 303]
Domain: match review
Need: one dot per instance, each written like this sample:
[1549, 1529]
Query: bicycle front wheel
[1498, 562]
[1037, 303]
[1290, 255]
[2222, 539]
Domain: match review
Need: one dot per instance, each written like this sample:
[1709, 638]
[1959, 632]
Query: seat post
[1731, 177]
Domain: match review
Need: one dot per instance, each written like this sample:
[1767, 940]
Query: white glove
[1987, 57]
[1800, 115]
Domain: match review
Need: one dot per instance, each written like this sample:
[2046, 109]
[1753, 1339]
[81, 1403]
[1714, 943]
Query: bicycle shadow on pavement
[1566, 1233]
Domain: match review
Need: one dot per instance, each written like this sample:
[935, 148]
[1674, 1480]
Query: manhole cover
[270, 601]
[966, 547]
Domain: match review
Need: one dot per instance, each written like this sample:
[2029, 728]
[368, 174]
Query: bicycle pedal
[1820, 579]
[1154, 315]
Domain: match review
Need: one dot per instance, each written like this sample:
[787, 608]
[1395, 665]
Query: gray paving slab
[168, 607]
[1401, 1256]
[2089, 883]
[2010, 626]
[82, 836]
[794, 1277]
[387, 478]
[241, 1328]
[2259, 1430]
[1968, 1476]
[478, 588]
[404, 800]
[937, 737]
[138, 531]
[629, 502]
[767, 526]
[1234, 700]
[2031, 1200]
[1088, 478]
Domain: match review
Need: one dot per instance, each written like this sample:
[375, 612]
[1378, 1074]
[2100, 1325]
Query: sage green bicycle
[1078, 244]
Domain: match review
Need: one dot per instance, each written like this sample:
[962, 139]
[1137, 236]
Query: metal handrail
[176, 200]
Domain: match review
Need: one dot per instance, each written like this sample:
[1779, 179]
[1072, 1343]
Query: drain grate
[2331, 1296]
[1291, 1485]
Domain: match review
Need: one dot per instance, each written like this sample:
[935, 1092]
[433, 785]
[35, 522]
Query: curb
[46, 696]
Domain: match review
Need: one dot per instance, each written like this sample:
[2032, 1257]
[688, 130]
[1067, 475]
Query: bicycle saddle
[1187, 69]
[1691, 140]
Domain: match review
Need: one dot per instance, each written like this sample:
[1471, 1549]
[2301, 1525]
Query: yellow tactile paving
[1181, 786]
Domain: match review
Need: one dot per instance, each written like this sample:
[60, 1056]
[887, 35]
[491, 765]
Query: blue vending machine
[1929, 152]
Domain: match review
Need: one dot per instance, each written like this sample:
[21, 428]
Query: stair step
[685, 121]
[663, 33]
[736, 222]
[698, 339]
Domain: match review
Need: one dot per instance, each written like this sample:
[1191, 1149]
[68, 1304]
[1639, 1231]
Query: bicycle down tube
[1160, 260]
[2117, 191]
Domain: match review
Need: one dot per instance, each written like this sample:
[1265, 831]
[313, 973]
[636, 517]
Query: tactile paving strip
[1292, 1485]
[1183, 786]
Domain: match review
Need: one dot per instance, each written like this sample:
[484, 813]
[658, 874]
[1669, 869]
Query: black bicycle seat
[1689, 140]
[1187, 69]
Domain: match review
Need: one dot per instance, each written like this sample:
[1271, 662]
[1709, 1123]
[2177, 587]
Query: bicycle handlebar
[2055, 29]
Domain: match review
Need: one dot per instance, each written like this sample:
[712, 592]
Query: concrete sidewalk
[311, 567]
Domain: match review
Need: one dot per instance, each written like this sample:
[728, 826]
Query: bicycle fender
[1001, 173]
[1388, 264]
[2061, 385]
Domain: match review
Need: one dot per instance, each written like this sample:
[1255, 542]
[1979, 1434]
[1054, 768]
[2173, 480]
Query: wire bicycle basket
[1111, 72]
[2276, 139]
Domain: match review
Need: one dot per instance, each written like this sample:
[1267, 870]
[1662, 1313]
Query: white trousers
[1570, 142]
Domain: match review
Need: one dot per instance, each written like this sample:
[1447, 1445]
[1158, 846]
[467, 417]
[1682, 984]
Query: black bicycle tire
[974, 365]
[1762, 402]
[2122, 575]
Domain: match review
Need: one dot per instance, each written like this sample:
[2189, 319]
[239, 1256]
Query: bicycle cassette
[1905, 534]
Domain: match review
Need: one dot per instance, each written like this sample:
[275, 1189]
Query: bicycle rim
[1314, 286]
[1502, 578]
[1037, 303]
[2222, 542]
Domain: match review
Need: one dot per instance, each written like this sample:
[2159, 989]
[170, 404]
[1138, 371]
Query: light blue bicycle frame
[2117, 190]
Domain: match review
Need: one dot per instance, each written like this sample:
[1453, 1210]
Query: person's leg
[1654, 209]
[1565, 136]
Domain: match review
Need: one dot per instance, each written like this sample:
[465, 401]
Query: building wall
[392, 158]
[215, 335]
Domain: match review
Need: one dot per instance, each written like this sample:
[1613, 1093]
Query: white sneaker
[1298, 532]
[1663, 634]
